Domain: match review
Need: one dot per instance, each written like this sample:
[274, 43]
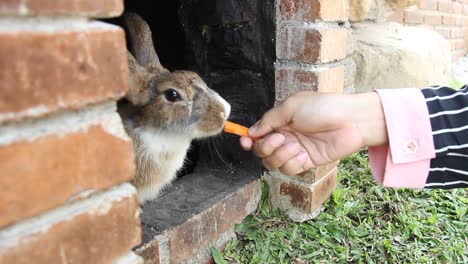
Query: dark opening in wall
[230, 43]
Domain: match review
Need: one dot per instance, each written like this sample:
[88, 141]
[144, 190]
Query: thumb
[275, 118]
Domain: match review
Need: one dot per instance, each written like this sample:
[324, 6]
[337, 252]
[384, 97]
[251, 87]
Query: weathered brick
[300, 200]
[397, 16]
[290, 80]
[310, 198]
[457, 44]
[310, 45]
[428, 4]
[99, 229]
[150, 252]
[449, 20]
[311, 10]
[457, 33]
[461, 21]
[201, 230]
[414, 17]
[317, 173]
[92, 8]
[59, 66]
[331, 80]
[457, 8]
[65, 165]
[432, 19]
[445, 6]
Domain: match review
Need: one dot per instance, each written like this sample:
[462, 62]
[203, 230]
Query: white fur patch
[155, 143]
[227, 106]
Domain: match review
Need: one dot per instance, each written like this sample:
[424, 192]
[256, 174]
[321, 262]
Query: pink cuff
[405, 161]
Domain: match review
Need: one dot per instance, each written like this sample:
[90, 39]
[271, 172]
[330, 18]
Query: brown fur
[162, 130]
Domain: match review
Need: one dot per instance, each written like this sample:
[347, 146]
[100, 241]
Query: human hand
[311, 129]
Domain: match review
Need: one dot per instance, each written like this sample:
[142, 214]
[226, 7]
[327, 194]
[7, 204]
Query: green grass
[455, 84]
[362, 223]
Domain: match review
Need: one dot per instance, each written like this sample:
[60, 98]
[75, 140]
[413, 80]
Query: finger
[277, 117]
[281, 155]
[295, 165]
[246, 143]
[267, 145]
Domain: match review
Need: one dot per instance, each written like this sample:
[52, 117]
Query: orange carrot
[236, 129]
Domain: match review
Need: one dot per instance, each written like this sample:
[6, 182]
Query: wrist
[368, 116]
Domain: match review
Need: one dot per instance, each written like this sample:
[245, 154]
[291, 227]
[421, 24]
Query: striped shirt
[448, 113]
[428, 138]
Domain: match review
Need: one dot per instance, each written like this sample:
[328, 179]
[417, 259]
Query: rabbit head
[176, 102]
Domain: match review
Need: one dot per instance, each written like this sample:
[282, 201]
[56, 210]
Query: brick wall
[448, 17]
[311, 49]
[64, 155]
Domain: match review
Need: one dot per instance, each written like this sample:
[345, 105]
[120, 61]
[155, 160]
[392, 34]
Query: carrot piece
[236, 129]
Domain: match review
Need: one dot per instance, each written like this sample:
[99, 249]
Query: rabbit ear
[142, 44]
[139, 82]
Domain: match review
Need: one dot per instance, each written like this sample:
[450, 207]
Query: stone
[390, 55]
[377, 10]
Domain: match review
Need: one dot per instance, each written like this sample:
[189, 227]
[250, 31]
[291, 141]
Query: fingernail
[302, 156]
[253, 129]
[276, 140]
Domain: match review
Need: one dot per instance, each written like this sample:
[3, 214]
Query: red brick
[457, 33]
[331, 80]
[311, 198]
[311, 10]
[460, 20]
[62, 165]
[201, 230]
[445, 6]
[397, 16]
[93, 8]
[432, 19]
[43, 71]
[150, 252]
[428, 4]
[317, 173]
[414, 17]
[449, 20]
[457, 8]
[98, 230]
[311, 46]
[292, 80]
[457, 44]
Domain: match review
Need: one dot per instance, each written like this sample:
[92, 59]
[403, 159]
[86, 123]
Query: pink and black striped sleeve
[428, 139]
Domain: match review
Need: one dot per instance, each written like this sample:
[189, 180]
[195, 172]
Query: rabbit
[163, 112]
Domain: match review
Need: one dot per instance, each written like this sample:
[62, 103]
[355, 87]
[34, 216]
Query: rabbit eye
[172, 95]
